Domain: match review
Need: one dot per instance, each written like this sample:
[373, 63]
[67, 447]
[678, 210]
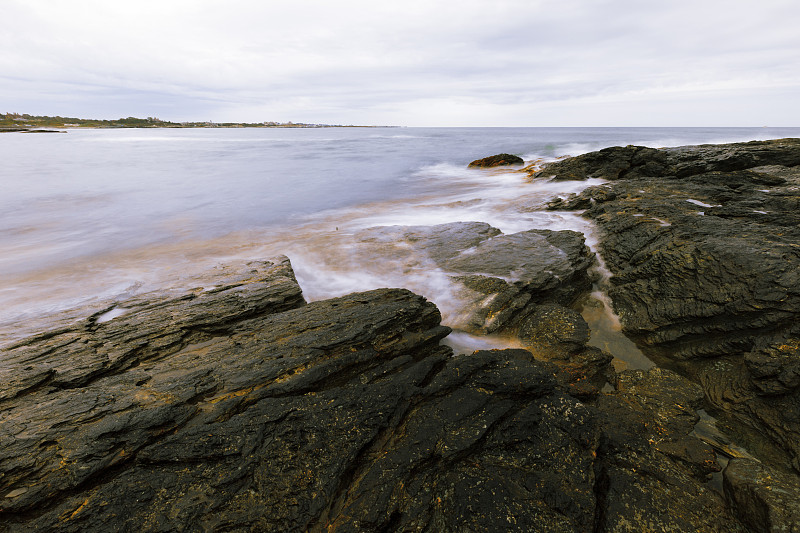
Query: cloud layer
[416, 63]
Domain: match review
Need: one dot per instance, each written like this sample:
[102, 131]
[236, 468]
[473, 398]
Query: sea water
[96, 215]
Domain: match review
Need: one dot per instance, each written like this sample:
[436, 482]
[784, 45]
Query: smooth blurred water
[102, 213]
[91, 191]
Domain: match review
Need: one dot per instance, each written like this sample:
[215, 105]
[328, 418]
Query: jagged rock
[551, 264]
[767, 500]
[775, 366]
[540, 265]
[693, 160]
[647, 459]
[706, 265]
[496, 161]
[180, 433]
[515, 284]
[609, 163]
[555, 329]
[673, 401]
[631, 162]
[584, 200]
[496, 304]
[147, 326]
[243, 408]
[642, 487]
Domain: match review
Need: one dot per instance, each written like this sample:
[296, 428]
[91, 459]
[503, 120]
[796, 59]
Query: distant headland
[25, 122]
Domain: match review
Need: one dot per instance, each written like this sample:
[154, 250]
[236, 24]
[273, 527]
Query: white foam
[573, 149]
[701, 204]
[530, 157]
[112, 314]
[613, 318]
[464, 343]
[399, 136]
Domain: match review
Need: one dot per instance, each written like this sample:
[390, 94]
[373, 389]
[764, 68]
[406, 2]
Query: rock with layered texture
[145, 326]
[649, 460]
[703, 245]
[630, 162]
[237, 407]
[767, 500]
[182, 411]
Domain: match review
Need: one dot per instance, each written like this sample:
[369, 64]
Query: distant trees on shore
[24, 120]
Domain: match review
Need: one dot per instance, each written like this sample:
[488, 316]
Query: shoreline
[373, 424]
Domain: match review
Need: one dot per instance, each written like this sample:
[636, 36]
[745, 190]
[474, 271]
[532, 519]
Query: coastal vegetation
[24, 121]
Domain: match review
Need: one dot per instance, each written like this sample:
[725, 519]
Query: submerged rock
[520, 284]
[703, 245]
[505, 276]
[497, 161]
[559, 334]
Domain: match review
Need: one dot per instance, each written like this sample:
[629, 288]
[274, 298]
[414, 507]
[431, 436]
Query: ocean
[96, 215]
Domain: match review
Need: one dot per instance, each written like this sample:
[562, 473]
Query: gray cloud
[504, 62]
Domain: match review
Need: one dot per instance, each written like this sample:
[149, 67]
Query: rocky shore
[231, 404]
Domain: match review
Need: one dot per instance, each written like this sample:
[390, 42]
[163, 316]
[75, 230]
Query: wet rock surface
[162, 417]
[651, 461]
[343, 414]
[505, 276]
[521, 284]
[766, 500]
[704, 246]
[497, 161]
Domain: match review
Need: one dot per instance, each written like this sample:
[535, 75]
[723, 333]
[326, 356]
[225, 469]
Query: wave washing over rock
[238, 406]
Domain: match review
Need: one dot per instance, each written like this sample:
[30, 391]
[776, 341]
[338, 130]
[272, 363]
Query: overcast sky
[409, 62]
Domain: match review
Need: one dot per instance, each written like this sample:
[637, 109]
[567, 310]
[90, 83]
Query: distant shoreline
[16, 122]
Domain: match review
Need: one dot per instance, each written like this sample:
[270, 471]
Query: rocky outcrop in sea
[497, 161]
[231, 404]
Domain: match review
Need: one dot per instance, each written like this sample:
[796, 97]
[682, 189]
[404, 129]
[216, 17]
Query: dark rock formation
[766, 500]
[646, 423]
[169, 414]
[496, 161]
[236, 406]
[549, 265]
[703, 245]
[556, 328]
[342, 415]
[609, 163]
[638, 161]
